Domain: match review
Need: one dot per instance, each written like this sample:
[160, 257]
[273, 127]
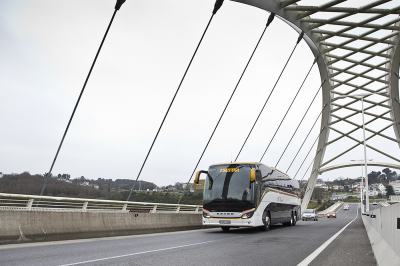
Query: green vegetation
[389, 190]
[108, 189]
[32, 185]
[313, 205]
[351, 199]
[325, 205]
[158, 197]
[320, 206]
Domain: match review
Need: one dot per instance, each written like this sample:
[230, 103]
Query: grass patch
[325, 205]
[313, 205]
[351, 199]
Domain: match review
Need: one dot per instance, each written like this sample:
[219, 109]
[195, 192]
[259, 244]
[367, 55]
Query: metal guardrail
[46, 203]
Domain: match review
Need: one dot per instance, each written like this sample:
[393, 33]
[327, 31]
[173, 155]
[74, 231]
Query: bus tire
[225, 228]
[267, 224]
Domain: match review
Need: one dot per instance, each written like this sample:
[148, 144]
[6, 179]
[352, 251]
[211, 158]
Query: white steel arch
[344, 165]
[337, 61]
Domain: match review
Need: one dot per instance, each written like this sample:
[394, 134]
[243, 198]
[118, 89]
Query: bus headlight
[248, 215]
[206, 214]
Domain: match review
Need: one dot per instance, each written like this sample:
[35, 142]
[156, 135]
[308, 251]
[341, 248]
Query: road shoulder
[351, 247]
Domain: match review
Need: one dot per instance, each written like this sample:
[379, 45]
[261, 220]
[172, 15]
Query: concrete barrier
[384, 204]
[22, 226]
[384, 235]
[334, 208]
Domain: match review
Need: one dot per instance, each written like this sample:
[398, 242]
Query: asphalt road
[351, 247]
[280, 246]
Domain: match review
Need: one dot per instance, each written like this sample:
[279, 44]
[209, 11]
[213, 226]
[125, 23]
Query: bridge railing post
[154, 210]
[178, 208]
[29, 204]
[84, 207]
[124, 207]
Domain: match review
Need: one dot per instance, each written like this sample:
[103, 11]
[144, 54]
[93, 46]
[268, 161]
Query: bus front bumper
[238, 222]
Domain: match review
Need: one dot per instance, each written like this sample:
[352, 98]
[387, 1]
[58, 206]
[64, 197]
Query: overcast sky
[47, 48]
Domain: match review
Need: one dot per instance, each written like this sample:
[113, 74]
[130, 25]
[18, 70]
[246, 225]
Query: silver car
[346, 207]
[310, 214]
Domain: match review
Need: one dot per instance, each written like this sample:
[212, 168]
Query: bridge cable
[309, 152]
[310, 166]
[217, 5]
[299, 124]
[306, 137]
[270, 19]
[287, 111]
[117, 7]
[262, 109]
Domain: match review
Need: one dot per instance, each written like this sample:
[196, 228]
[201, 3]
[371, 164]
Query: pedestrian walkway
[351, 247]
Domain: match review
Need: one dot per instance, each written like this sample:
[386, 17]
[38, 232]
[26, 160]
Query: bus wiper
[216, 200]
[235, 200]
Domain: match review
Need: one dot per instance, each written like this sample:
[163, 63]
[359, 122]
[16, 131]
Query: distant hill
[108, 189]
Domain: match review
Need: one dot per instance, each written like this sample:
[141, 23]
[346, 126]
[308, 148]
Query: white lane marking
[149, 251]
[313, 255]
[108, 238]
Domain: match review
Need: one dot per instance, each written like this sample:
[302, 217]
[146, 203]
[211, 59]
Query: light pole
[361, 96]
[362, 185]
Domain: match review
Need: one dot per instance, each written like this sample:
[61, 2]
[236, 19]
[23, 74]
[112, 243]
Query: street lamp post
[361, 96]
[362, 185]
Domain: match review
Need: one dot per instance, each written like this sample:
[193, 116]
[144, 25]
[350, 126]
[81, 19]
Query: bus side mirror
[197, 178]
[252, 175]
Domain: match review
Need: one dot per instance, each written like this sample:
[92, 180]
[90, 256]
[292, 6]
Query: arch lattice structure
[353, 57]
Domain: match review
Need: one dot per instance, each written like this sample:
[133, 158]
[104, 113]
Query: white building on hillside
[322, 185]
[396, 186]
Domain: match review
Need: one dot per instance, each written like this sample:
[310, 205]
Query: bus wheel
[293, 220]
[267, 224]
[225, 228]
[291, 223]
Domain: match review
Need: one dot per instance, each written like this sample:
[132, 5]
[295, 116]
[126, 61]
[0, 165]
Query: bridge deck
[280, 246]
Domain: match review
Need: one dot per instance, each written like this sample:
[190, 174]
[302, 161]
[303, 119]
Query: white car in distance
[346, 207]
[310, 214]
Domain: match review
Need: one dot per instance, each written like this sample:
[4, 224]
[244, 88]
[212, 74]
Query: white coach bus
[249, 195]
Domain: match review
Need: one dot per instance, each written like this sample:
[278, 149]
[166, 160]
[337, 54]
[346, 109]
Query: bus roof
[234, 163]
[273, 168]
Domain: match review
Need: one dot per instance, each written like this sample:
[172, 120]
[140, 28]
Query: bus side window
[258, 193]
[281, 184]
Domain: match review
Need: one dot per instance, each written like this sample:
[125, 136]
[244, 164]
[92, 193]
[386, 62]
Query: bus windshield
[228, 183]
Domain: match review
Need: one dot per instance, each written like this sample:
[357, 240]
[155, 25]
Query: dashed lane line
[145, 252]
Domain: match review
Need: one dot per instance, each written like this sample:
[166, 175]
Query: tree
[373, 177]
[389, 190]
[394, 175]
[387, 171]
[179, 186]
[318, 193]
